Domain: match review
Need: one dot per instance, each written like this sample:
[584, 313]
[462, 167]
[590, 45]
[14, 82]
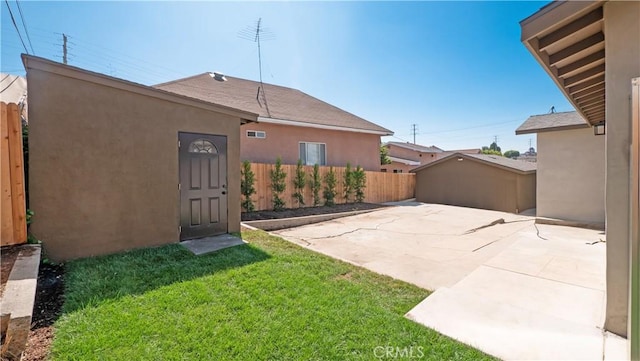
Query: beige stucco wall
[622, 51]
[103, 166]
[284, 141]
[571, 172]
[473, 184]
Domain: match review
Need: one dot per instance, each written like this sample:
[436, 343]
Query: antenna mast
[256, 34]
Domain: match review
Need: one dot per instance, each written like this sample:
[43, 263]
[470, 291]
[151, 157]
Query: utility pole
[64, 48]
[495, 139]
[414, 131]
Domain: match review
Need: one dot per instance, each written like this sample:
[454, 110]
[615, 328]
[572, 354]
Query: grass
[270, 300]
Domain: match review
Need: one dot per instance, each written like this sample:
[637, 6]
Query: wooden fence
[381, 187]
[12, 204]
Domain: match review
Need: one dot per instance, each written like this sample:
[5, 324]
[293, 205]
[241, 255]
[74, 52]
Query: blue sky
[456, 69]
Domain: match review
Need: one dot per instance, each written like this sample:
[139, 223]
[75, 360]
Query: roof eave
[552, 129]
[297, 123]
[557, 16]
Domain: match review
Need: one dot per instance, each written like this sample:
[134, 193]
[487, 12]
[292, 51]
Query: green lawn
[270, 300]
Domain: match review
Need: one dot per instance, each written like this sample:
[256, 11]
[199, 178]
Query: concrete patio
[511, 288]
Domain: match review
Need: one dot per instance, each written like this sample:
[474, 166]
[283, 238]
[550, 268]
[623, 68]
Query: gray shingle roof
[551, 122]
[417, 147]
[283, 103]
[493, 160]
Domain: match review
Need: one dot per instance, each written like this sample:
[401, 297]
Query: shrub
[329, 192]
[348, 183]
[247, 181]
[359, 183]
[316, 184]
[278, 185]
[299, 182]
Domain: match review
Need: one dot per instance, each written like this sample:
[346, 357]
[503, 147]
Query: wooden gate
[12, 202]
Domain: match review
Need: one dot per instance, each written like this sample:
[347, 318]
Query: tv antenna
[258, 33]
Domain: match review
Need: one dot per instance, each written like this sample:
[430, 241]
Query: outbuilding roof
[552, 122]
[43, 64]
[273, 103]
[509, 164]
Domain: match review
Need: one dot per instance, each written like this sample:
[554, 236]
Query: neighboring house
[115, 165]
[291, 124]
[571, 169]
[13, 89]
[529, 156]
[479, 181]
[591, 50]
[407, 156]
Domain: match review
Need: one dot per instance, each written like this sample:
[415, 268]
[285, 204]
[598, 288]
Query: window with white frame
[256, 134]
[313, 153]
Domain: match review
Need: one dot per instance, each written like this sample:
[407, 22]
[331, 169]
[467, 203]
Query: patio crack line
[352, 231]
[496, 222]
[501, 238]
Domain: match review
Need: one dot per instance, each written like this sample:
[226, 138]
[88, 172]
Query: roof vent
[218, 76]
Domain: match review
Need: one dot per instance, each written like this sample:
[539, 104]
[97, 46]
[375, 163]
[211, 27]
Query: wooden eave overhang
[567, 39]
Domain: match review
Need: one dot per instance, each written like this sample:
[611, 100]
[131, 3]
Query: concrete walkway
[514, 290]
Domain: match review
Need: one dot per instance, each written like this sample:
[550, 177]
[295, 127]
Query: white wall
[571, 176]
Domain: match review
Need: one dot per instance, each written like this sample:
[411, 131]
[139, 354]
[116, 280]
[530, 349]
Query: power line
[24, 25]
[7, 87]
[16, 26]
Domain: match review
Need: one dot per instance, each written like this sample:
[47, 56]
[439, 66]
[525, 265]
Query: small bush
[329, 192]
[278, 185]
[247, 181]
[299, 182]
[348, 183]
[316, 185]
[359, 183]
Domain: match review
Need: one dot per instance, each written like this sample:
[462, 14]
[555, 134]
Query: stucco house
[479, 181]
[591, 50]
[291, 124]
[407, 156]
[115, 165]
[571, 169]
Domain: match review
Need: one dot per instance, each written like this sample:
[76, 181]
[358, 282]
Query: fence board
[380, 187]
[13, 208]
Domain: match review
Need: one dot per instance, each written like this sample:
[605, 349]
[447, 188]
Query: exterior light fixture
[599, 128]
[460, 159]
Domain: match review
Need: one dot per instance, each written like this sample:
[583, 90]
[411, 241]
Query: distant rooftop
[417, 147]
[13, 88]
[552, 122]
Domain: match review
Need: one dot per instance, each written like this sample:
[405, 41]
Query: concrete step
[536, 294]
[506, 330]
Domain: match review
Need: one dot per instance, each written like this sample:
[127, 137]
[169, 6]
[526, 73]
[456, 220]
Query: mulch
[8, 255]
[308, 211]
[47, 309]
